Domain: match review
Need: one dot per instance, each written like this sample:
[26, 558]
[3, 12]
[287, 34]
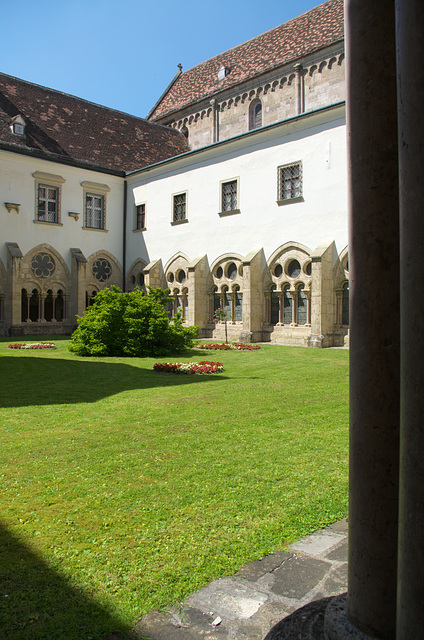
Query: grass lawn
[124, 490]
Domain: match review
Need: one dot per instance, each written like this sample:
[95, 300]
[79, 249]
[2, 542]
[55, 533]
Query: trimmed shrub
[130, 324]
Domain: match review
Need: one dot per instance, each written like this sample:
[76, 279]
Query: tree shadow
[37, 602]
[31, 381]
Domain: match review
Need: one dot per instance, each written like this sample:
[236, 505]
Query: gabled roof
[69, 129]
[314, 30]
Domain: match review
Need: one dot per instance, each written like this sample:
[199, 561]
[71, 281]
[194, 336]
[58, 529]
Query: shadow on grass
[38, 603]
[31, 381]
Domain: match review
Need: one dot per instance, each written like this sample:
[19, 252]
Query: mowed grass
[127, 490]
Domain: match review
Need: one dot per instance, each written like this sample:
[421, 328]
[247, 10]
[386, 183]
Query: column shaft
[410, 50]
[374, 326]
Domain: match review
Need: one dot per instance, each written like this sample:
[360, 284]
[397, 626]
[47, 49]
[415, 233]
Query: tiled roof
[58, 124]
[305, 34]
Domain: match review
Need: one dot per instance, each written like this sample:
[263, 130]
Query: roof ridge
[260, 35]
[314, 29]
[71, 95]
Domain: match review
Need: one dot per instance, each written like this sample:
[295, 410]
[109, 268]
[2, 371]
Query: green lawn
[124, 490]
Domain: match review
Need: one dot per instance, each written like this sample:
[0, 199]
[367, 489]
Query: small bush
[130, 324]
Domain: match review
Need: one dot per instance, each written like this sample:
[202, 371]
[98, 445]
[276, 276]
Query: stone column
[299, 88]
[374, 327]
[215, 121]
[198, 297]
[410, 50]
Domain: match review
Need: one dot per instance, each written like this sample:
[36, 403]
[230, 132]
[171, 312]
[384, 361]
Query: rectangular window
[229, 196]
[48, 203]
[48, 194]
[140, 216]
[289, 182]
[179, 207]
[94, 211]
[94, 199]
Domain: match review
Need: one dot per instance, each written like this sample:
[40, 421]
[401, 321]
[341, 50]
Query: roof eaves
[233, 87]
[53, 157]
[246, 134]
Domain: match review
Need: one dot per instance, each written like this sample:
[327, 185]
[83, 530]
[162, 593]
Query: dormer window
[222, 72]
[17, 125]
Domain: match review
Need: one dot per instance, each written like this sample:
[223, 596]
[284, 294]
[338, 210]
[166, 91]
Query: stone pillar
[198, 298]
[215, 121]
[154, 276]
[410, 50]
[12, 313]
[78, 284]
[299, 89]
[374, 327]
[253, 300]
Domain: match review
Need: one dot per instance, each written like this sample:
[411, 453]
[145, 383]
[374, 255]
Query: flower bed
[229, 346]
[32, 345]
[189, 367]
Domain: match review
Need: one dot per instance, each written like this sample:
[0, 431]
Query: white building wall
[317, 140]
[18, 186]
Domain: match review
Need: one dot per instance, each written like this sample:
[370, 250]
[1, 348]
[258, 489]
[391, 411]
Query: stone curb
[248, 604]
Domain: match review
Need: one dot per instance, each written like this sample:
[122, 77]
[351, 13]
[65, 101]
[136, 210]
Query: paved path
[245, 606]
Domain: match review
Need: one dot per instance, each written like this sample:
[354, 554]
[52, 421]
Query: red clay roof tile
[80, 131]
[309, 32]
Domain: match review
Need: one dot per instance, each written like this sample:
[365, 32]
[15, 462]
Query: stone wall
[312, 83]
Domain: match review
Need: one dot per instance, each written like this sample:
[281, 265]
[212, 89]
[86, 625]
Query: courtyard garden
[124, 488]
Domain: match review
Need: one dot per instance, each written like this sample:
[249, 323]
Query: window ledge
[228, 213]
[290, 200]
[50, 224]
[141, 229]
[175, 222]
[95, 229]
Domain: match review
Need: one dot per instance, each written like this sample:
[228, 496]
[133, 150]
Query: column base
[337, 625]
[324, 619]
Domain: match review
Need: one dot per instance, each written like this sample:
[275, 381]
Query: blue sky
[123, 54]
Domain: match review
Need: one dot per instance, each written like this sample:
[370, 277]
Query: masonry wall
[193, 256]
[313, 82]
[59, 261]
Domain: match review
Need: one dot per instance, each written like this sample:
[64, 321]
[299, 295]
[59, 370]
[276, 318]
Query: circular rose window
[102, 270]
[43, 265]
[293, 269]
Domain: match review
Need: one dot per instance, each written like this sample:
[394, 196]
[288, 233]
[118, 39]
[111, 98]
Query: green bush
[130, 324]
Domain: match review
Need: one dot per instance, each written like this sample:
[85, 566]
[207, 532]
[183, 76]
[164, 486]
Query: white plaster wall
[318, 140]
[18, 185]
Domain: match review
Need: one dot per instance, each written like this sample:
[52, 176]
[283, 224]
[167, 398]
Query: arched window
[34, 306]
[302, 305]
[345, 304]
[59, 307]
[227, 304]
[48, 306]
[288, 305]
[275, 306]
[238, 305]
[255, 115]
[216, 300]
[89, 298]
[24, 306]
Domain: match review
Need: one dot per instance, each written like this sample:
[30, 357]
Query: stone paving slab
[247, 605]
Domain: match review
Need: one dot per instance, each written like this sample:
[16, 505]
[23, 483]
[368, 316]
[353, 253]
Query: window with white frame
[140, 217]
[229, 196]
[48, 203]
[47, 197]
[290, 182]
[179, 207]
[95, 205]
[94, 211]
